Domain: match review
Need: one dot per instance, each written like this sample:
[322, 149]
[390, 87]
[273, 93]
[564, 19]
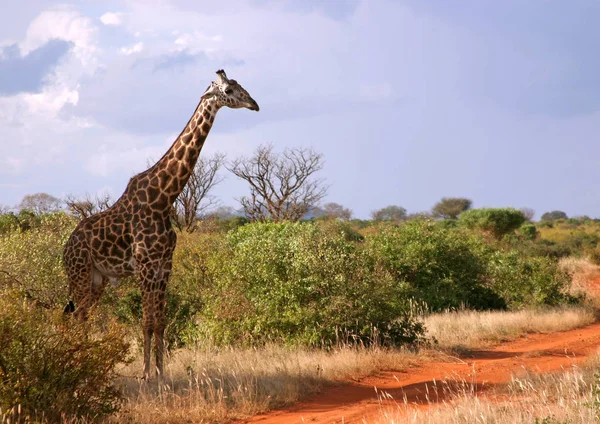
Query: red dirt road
[356, 402]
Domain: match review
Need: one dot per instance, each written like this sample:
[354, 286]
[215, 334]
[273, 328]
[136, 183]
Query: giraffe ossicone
[134, 236]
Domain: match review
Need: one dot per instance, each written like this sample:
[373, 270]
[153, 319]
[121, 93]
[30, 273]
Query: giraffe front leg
[160, 317]
[147, 327]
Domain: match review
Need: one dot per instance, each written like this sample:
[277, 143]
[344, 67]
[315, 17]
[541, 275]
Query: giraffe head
[229, 93]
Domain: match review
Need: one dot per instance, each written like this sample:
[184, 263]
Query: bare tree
[83, 207]
[335, 210]
[529, 213]
[40, 203]
[282, 187]
[195, 199]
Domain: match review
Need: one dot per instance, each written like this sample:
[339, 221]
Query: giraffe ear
[210, 90]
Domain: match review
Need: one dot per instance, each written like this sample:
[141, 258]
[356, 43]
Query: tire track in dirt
[482, 370]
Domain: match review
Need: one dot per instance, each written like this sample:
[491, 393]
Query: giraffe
[134, 236]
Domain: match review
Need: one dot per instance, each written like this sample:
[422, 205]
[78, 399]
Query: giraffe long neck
[171, 173]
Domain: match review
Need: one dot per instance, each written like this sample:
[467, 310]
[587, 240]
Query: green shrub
[54, 368]
[528, 231]
[298, 283]
[527, 281]
[443, 267]
[496, 221]
[31, 261]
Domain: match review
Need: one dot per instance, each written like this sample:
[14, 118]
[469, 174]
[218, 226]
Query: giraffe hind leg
[89, 287]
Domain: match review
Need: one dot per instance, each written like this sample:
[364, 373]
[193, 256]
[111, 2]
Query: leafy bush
[528, 231]
[300, 284]
[496, 221]
[441, 266]
[52, 367]
[31, 261]
[527, 281]
[554, 215]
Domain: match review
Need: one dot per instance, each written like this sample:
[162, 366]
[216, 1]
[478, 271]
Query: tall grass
[470, 329]
[218, 385]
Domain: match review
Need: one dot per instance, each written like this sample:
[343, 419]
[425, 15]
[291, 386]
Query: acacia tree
[389, 213]
[451, 207]
[87, 205]
[195, 199]
[282, 185]
[551, 216]
[496, 221]
[40, 203]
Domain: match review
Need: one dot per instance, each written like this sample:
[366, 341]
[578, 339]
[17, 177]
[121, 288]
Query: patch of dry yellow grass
[471, 329]
[583, 272]
[209, 385]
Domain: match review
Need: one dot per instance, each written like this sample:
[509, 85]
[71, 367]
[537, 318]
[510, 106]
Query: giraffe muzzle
[252, 105]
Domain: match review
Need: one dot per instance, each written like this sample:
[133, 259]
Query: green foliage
[56, 368]
[31, 261]
[301, 284]
[527, 281]
[528, 231]
[496, 221]
[554, 215]
[451, 207]
[439, 266]
[23, 221]
[389, 213]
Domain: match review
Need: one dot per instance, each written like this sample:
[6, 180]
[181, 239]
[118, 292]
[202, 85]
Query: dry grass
[584, 272]
[571, 396]
[217, 385]
[212, 385]
[462, 330]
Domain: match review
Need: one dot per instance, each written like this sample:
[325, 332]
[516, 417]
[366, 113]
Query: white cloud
[62, 24]
[136, 48]
[111, 18]
[51, 100]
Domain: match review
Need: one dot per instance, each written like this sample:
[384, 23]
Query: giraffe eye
[228, 90]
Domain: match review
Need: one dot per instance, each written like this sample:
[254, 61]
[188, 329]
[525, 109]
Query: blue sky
[409, 101]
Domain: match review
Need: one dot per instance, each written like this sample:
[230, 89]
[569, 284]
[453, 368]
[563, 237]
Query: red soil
[356, 402]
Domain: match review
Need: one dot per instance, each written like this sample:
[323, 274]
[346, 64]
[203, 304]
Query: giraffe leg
[160, 320]
[91, 289]
[99, 283]
[80, 281]
[147, 327]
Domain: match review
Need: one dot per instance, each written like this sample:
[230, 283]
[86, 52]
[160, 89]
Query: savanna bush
[443, 267]
[53, 367]
[527, 281]
[496, 221]
[31, 261]
[301, 283]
